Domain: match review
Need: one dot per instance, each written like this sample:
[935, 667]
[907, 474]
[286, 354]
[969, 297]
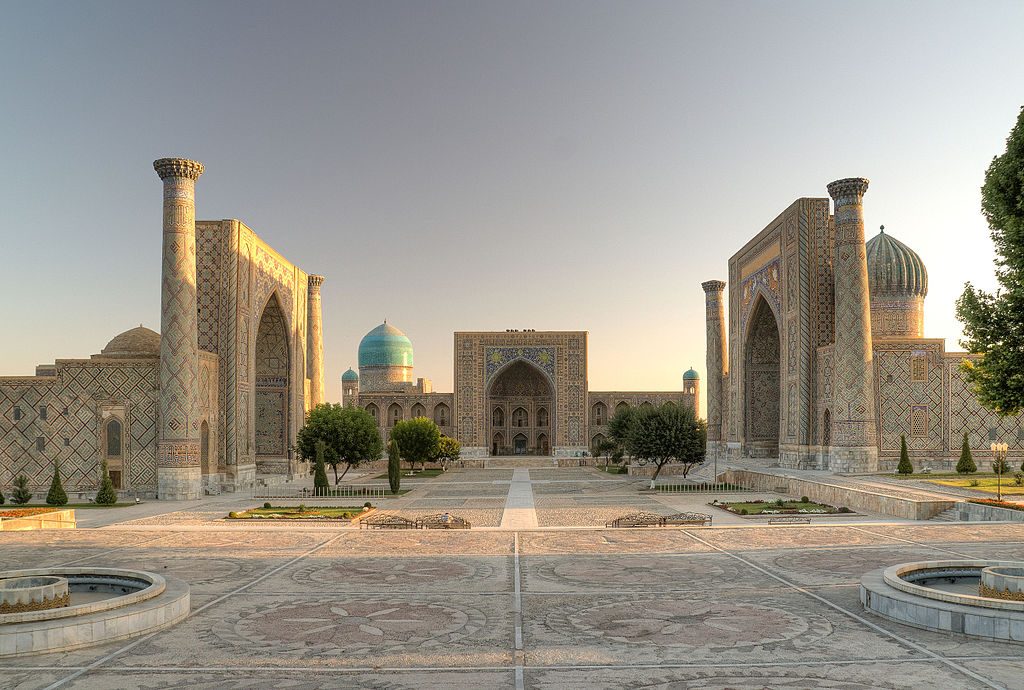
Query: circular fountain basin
[944, 596]
[18, 594]
[1003, 582]
[105, 604]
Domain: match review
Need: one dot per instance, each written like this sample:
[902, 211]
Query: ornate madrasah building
[516, 392]
[826, 365]
[206, 404]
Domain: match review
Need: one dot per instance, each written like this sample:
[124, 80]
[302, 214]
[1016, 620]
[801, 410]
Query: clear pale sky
[484, 165]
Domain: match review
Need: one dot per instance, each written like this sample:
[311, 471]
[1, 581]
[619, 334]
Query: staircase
[511, 462]
[951, 515]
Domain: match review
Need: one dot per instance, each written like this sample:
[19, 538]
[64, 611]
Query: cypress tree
[320, 484]
[394, 467]
[106, 496]
[2, 499]
[21, 495]
[56, 496]
[966, 464]
[905, 466]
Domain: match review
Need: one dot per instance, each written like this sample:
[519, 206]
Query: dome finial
[881, 228]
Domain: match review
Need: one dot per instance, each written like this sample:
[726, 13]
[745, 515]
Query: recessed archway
[761, 385]
[525, 390]
[273, 391]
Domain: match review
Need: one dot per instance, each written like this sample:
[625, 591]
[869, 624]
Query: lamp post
[999, 451]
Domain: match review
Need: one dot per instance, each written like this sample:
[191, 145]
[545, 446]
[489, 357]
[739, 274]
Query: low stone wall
[57, 519]
[975, 512]
[588, 461]
[647, 471]
[836, 495]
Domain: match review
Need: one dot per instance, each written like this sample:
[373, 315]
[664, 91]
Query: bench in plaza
[789, 520]
[688, 519]
[387, 522]
[442, 521]
[644, 519]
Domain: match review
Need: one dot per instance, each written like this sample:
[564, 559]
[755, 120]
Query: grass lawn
[773, 507]
[986, 483]
[293, 513]
[420, 474]
[69, 505]
[613, 469]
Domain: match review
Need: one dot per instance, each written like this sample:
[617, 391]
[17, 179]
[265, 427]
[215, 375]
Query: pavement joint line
[110, 551]
[916, 543]
[517, 596]
[134, 643]
[861, 619]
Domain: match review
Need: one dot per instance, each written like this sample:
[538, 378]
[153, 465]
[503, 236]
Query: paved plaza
[743, 604]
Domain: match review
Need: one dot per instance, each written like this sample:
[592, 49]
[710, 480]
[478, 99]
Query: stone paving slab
[420, 543]
[610, 541]
[790, 537]
[269, 679]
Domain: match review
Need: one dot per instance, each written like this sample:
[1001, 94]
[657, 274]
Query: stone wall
[975, 512]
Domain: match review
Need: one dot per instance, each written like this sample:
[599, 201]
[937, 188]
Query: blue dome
[350, 375]
[691, 375]
[385, 346]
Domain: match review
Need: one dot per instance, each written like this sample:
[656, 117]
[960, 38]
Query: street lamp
[999, 451]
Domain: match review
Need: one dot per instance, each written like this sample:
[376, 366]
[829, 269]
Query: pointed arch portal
[273, 392]
[525, 391]
[762, 382]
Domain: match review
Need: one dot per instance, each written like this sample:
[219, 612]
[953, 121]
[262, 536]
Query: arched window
[497, 417]
[395, 414]
[595, 442]
[497, 443]
[418, 411]
[114, 432]
[542, 416]
[646, 403]
[441, 414]
[542, 444]
[669, 403]
[520, 417]
[372, 409]
[599, 414]
[621, 407]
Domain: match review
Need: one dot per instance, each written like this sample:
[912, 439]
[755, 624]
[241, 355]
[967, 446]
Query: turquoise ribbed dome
[350, 375]
[691, 375]
[894, 269]
[385, 346]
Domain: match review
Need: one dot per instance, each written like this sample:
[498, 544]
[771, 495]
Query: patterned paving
[701, 608]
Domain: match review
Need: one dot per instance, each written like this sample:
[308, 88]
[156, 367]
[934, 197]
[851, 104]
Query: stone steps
[951, 515]
[520, 462]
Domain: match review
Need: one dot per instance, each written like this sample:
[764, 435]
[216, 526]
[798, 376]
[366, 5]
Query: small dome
[691, 375]
[894, 269]
[137, 342]
[385, 346]
[350, 375]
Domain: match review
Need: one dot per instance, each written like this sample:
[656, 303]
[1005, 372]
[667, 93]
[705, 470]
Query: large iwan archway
[518, 399]
[761, 385]
[273, 365]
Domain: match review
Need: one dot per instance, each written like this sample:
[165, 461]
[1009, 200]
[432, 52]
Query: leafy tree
[966, 464]
[419, 439]
[670, 433]
[320, 483]
[448, 450]
[604, 449]
[349, 434]
[905, 466]
[21, 495]
[56, 495]
[394, 466]
[106, 496]
[994, 323]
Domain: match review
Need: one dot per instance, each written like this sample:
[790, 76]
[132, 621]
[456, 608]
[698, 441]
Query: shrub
[233, 514]
[905, 467]
[367, 505]
[56, 496]
[2, 499]
[267, 505]
[973, 482]
[1018, 478]
[804, 499]
[320, 483]
[779, 502]
[743, 511]
[843, 509]
[966, 463]
[302, 508]
[1000, 466]
[106, 496]
[21, 495]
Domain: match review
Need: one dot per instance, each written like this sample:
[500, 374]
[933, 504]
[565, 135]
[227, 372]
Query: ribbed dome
[385, 346]
[894, 269]
[137, 342]
[350, 375]
[691, 375]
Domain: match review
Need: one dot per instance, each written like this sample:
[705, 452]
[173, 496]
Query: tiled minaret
[316, 342]
[855, 424]
[716, 359]
[179, 476]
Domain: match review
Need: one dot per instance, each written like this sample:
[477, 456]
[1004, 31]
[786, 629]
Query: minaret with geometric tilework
[716, 362]
[854, 446]
[316, 342]
[179, 475]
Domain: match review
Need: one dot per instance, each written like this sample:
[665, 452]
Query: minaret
[855, 424]
[179, 476]
[716, 362]
[316, 342]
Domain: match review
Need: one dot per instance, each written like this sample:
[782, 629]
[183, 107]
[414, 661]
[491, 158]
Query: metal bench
[387, 522]
[688, 519]
[442, 521]
[789, 520]
[644, 519]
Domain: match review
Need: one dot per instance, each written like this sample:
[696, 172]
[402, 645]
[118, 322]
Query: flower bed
[779, 507]
[998, 504]
[27, 512]
[302, 513]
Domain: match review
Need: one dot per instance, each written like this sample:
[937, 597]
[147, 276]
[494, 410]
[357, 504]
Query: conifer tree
[966, 464]
[106, 496]
[905, 466]
[394, 467]
[2, 499]
[320, 483]
[21, 495]
[56, 496]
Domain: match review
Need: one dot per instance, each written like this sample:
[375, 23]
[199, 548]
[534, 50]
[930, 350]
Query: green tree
[448, 450]
[2, 499]
[394, 466]
[966, 464]
[905, 466]
[994, 323]
[419, 439]
[670, 433]
[106, 496]
[1000, 466]
[21, 495]
[320, 483]
[56, 496]
[349, 434]
[619, 427]
[604, 449]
